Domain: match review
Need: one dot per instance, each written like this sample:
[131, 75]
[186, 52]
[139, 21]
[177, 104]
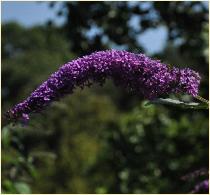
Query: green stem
[202, 99]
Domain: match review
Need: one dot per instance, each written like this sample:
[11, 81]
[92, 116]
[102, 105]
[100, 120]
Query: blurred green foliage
[102, 139]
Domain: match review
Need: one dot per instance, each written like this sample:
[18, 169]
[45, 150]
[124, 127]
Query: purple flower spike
[136, 72]
[202, 187]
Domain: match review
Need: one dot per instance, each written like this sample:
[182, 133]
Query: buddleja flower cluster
[136, 72]
[202, 186]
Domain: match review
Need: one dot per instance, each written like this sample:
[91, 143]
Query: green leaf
[8, 187]
[5, 136]
[178, 103]
[22, 188]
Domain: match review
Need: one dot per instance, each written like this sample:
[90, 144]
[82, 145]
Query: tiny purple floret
[135, 72]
